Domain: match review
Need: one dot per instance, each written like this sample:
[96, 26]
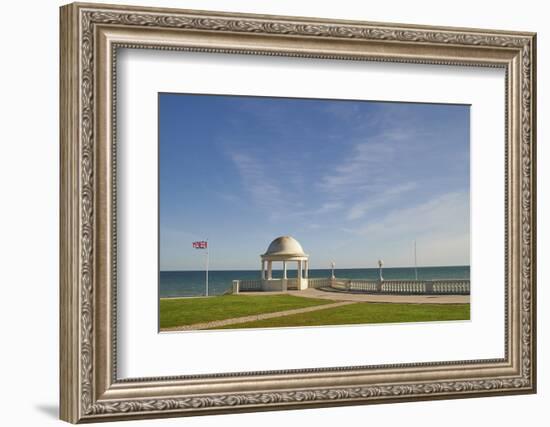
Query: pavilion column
[284, 269]
[270, 270]
[300, 270]
[263, 269]
[306, 269]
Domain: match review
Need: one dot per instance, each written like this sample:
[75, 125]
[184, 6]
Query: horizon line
[327, 268]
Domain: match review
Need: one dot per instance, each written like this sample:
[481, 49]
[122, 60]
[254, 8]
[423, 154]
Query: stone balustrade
[246, 285]
[318, 283]
[409, 287]
[363, 285]
[451, 287]
[406, 287]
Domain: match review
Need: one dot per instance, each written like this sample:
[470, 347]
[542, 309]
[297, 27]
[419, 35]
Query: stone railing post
[429, 287]
[236, 286]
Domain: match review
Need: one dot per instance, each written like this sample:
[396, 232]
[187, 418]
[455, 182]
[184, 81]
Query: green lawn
[364, 312]
[186, 311]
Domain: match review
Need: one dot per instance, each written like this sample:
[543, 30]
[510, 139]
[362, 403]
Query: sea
[193, 283]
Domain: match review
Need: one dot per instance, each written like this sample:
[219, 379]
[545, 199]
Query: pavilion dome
[285, 245]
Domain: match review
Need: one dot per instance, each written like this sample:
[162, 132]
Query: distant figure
[380, 264]
[333, 264]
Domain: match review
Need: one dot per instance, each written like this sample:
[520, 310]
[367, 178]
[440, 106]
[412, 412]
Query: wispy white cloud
[313, 211]
[313, 226]
[227, 197]
[362, 170]
[264, 191]
[358, 210]
[369, 177]
[440, 226]
[329, 207]
[278, 187]
[448, 213]
[356, 117]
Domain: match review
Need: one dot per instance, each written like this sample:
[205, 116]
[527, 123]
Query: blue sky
[353, 181]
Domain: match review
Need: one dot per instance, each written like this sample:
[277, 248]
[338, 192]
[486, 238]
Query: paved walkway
[361, 297]
[245, 319]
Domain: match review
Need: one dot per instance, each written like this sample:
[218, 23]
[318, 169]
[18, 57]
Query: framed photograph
[317, 169]
[266, 212]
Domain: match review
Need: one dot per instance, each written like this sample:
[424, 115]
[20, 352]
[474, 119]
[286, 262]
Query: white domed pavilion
[284, 249]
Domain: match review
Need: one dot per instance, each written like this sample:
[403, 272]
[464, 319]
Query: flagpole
[415, 268]
[207, 250]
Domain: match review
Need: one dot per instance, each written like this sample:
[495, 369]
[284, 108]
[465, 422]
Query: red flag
[200, 244]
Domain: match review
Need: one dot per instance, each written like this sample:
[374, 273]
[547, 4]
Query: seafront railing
[318, 282]
[247, 285]
[458, 286]
[258, 285]
[405, 287]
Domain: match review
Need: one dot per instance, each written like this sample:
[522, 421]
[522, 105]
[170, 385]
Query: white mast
[207, 250]
[415, 268]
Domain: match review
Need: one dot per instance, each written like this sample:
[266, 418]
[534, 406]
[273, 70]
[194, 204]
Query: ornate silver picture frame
[91, 36]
